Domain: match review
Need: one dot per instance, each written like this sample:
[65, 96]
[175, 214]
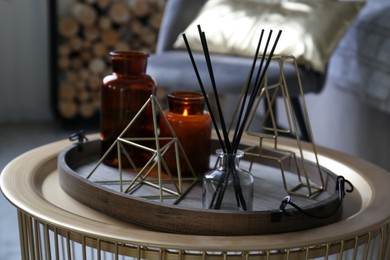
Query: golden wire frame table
[52, 225]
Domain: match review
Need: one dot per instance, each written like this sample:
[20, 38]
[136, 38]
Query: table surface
[30, 182]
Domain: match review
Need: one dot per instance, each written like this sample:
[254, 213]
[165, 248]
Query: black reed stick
[238, 191]
[219, 193]
[253, 93]
[258, 81]
[210, 111]
[213, 84]
[239, 195]
[231, 147]
[237, 185]
[251, 101]
[248, 83]
[204, 93]
[221, 189]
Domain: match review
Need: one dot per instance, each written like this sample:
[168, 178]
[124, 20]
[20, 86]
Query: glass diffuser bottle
[228, 187]
[123, 93]
[192, 126]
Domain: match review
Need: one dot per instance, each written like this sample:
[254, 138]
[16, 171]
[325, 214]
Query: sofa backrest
[178, 15]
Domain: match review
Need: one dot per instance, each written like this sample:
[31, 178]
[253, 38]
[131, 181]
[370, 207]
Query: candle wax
[193, 133]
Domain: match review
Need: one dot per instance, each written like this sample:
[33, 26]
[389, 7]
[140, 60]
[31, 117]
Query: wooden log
[97, 65]
[139, 8]
[135, 26]
[122, 46]
[104, 23]
[86, 109]
[83, 75]
[160, 4]
[119, 12]
[125, 33]
[67, 91]
[67, 27]
[87, 44]
[94, 82]
[136, 43]
[85, 14]
[63, 49]
[76, 63]
[148, 36]
[83, 95]
[109, 37]
[79, 85]
[155, 20]
[91, 30]
[103, 4]
[63, 63]
[75, 43]
[86, 55]
[67, 108]
[96, 100]
[91, 33]
[99, 49]
[70, 76]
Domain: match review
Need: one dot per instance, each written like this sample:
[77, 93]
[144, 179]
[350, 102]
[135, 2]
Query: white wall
[342, 121]
[24, 91]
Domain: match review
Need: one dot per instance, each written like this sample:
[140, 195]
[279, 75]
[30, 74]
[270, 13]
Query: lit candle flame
[185, 112]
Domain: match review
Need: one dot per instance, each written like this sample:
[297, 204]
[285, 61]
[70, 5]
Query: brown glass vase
[192, 126]
[123, 94]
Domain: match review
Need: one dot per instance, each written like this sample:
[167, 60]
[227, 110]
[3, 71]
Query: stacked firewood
[87, 33]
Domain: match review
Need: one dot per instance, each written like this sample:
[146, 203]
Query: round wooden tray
[188, 217]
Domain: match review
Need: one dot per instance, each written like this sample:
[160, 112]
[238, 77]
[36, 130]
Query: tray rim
[184, 220]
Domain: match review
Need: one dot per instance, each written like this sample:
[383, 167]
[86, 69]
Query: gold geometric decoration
[286, 160]
[166, 183]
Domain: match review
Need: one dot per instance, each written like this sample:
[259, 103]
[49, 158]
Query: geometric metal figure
[268, 94]
[142, 175]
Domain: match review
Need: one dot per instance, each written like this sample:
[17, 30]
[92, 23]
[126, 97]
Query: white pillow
[311, 28]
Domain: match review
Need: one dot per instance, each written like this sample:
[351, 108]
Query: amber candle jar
[192, 126]
[123, 93]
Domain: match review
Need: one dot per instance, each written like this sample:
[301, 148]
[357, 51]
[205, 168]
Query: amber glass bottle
[192, 127]
[123, 94]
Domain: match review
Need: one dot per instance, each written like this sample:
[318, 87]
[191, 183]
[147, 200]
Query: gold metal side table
[55, 226]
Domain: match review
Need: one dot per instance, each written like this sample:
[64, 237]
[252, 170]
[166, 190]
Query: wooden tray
[188, 217]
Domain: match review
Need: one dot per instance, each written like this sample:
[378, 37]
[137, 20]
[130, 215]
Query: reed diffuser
[228, 178]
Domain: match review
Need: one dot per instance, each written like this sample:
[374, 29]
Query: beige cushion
[311, 28]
